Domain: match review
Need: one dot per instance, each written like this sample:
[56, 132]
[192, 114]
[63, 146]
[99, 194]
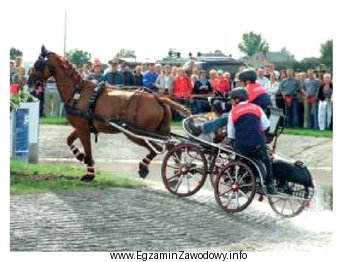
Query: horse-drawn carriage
[189, 160]
[236, 179]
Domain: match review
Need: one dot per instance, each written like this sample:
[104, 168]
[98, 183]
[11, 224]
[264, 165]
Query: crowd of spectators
[305, 97]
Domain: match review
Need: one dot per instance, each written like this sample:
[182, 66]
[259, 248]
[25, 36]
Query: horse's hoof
[143, 173]
[87, 178]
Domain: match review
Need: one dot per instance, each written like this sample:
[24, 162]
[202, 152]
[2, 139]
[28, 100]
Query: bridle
[40, 65]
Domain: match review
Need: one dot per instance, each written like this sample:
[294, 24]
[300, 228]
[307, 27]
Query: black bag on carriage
[296, 172]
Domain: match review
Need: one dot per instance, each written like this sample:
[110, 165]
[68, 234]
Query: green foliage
[326, 54]
[14, 53]
[22, 97]
[253, 43]
[38, 178]
[79, 57]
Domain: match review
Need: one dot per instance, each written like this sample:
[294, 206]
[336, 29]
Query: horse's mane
[70, 70]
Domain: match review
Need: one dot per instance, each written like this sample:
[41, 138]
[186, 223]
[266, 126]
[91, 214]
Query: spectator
[164, 82]
[138, 76]
[12, 72]
[174, 72]
[182, 91]
[202, 87]
[85, 71]
[301, 98]
[223, 84]
[20, 78]
[311, 86]
[214, 79]
[261, 78]
[96, 75]
[38, 92]
[290, 87]
[188, 67]
[325, 102]
[158, 69]
[273, 87]
[129, 79]
[280, 102]
[194, 78]
[149, 77]
[114, 78]
[182, 85]
[228, 78]
[18, 62]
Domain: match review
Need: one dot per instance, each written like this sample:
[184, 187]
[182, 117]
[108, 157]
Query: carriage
[236, 179]
[189, 160]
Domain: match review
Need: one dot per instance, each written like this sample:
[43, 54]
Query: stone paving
[151, 220]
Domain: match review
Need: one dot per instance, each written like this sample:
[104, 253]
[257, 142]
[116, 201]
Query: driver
[258, 95]
[246, 125]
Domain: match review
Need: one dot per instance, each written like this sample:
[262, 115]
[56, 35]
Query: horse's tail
[184, 111]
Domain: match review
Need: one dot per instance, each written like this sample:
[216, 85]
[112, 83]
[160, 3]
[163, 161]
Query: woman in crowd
[164, 81]
[20, 78]
[223, 84]
[325, 102]
[182, 90]
[273, 88]
[214, 79]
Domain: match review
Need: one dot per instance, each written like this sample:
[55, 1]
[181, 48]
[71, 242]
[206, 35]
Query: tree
[126, 53]
[253, 43]
[79, 57]
[326, 54]
[14, 53]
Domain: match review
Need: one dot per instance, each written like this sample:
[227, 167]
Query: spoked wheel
[291, 200]
[184, 170]
[235, 187]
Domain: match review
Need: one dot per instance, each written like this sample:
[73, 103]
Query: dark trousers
[259, 153]
[291, 111]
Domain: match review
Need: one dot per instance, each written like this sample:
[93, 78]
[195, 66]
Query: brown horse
[144, 109]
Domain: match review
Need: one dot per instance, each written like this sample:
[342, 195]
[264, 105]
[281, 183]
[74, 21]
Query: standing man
[290, 87]
[149, 77]
[311, 86]
[129, 79]
[114, 78]
[261, 79]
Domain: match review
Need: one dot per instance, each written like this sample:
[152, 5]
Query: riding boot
[195, 130]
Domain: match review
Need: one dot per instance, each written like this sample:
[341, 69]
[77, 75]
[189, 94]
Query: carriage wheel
[184, 170]
[290, 202]
[235, 187]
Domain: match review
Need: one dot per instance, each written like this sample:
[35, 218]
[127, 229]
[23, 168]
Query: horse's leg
[88, 159]
[70, 141]
[143, 168]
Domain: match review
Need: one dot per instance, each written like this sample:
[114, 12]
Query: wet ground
[153, 219]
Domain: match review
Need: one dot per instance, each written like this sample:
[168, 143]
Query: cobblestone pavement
[153, 220]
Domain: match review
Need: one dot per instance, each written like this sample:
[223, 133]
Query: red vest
[255, 90]
[243, 109]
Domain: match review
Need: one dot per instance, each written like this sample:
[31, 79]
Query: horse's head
[42, 66]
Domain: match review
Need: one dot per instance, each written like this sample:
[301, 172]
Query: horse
[145, 109]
